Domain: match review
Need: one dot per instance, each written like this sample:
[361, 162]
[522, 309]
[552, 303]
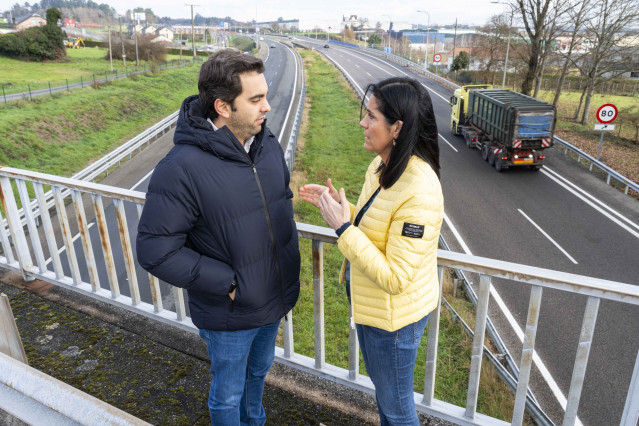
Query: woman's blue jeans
[389, 358]
[240, 361]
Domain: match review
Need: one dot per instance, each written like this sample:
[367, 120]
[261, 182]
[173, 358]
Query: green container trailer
[509, 128]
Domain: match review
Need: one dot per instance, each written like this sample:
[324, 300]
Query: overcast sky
[441, 12]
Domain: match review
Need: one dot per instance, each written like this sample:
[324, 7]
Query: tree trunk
[591, 90]
[581, 100]
[533, 65]
[540, 77]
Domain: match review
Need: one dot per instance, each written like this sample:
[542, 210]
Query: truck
[510, 129]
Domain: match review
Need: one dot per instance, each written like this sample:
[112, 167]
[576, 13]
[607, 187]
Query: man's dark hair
[220, 77]
[401, 98]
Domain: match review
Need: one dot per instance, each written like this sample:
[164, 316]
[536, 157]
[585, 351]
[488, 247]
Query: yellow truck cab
[458, 103]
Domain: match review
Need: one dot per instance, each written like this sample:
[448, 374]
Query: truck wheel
[536, 168]
[484, 152]
[491, 158]
[467, 137]
[499, 165]
[454, 129]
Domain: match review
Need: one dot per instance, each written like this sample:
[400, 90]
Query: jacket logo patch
[413, 231]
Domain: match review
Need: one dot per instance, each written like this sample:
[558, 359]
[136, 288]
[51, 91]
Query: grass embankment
[18, 76]
[331, 146]
[61, 136]
[620, 151]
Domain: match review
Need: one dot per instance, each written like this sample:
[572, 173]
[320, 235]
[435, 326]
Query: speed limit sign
[437, 57]
[607, 113]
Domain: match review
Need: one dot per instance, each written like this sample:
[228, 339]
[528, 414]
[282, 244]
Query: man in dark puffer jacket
[218, 221]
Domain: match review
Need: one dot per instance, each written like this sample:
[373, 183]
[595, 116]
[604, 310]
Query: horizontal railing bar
[87, 187]
[564, 281]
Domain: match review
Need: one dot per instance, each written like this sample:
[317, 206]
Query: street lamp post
[503, 80]
[427, 37]
[390, 22]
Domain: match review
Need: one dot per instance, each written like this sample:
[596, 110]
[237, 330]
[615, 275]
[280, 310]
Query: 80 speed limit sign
[607, 113]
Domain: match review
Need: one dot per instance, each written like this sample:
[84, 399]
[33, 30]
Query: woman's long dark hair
[405, 99]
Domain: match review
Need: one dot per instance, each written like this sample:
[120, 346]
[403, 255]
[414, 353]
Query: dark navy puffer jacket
[213, 215]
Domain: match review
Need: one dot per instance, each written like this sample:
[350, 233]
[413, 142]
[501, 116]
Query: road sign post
[606, 114]
[437, 59]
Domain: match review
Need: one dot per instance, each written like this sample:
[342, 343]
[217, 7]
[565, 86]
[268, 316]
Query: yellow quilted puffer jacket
[393, 251]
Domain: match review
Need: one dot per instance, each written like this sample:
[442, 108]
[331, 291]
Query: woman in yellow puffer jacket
[389, 239]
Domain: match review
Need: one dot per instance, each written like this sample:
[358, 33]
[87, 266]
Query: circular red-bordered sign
[437, 57]
[607, 113]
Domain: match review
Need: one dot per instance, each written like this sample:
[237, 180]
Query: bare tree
[577, 18]
[534, 15]
[611, 47]
[491, 45]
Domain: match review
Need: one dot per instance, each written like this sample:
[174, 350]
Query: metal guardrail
[36, 398]
[291, 147]
[611, 173]
[21, 246]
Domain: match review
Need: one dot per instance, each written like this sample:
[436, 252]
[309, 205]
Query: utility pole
[135, 35]
[427, 38]
[122, 41]
[110, 52]
[455, 40]
[192, 27]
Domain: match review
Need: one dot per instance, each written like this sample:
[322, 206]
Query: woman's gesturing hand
[311, 192]
[334, 213]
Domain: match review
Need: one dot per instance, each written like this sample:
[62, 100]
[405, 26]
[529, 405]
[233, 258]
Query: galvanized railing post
[127, 251]
[433, 342]
[48, 230]
[581, 360]
[15, 227]
[154, 283]
[318, 302]
[478, 345]
[527, 353]
[66, 235]
[105, 241]
[31, 225]
[83, 228]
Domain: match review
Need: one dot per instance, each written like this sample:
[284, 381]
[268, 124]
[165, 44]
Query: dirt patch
[55, 129]
[623, 159]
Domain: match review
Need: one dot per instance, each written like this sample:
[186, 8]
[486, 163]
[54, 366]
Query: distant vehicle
[74, 43]
[261, 38]
[509, 128]
[326, 46]
[273, 45]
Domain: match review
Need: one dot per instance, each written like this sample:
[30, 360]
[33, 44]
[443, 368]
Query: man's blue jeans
[240, 361]
[390, 362]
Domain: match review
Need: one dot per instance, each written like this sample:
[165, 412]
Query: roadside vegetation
[62, 135]
[18, 76]
[331, 146]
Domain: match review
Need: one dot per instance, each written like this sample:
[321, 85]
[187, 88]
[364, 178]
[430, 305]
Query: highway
[559, 218]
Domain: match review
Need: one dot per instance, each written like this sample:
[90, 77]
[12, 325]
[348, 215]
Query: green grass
[18, 76]
[62, 135]
[331, 145]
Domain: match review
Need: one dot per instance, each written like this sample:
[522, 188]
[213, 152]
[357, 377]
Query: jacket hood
[193, 128]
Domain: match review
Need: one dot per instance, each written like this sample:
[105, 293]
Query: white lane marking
[142, 180]
[546, 170]
[64, 247]
[552, 384]
[444, 139]
[269, 85]
[400, 71]
[279, 138]
[368, 74]
[545, 234]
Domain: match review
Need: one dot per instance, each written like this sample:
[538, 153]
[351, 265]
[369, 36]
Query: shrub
[36, 43]
[147, 51]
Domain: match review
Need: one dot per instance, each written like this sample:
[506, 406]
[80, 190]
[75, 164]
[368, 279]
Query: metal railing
[91, 268]
[291, 146]
[611, 173]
